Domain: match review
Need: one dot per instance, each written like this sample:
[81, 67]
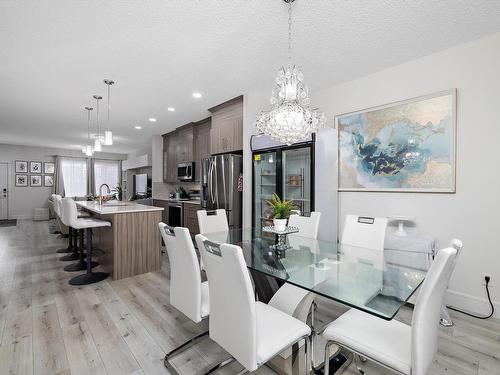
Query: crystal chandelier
[108, 134]
[97, 140]
[290, 120]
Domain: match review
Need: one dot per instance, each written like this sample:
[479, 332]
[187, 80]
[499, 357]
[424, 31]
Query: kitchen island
[132, 244]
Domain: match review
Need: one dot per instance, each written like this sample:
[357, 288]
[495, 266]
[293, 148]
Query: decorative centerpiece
[282, 210]
[119, 192]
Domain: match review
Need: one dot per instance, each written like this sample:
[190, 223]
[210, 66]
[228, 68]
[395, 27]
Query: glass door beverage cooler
[285, 170]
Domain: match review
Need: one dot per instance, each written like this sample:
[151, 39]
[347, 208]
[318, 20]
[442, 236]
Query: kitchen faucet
[100, 192]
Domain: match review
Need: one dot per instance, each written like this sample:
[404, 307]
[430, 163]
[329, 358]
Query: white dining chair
[212, 221]
[188, 293]
[56, 202]
[394, 345]
[363, 231]
[445, 319]
[251, 332]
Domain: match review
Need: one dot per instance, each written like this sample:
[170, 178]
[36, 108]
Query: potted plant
[282, 209]
[119, 191]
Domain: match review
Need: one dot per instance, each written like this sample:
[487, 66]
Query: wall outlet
[491, 279]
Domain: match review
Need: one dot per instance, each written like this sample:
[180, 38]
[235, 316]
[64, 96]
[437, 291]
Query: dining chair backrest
[232, 304]
[363, 231]
[69, 212]
[308, 226]
[56, 200]
[425, 320]
[185, 278]
[212, 221]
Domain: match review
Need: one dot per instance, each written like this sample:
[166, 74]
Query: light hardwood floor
[127, 326]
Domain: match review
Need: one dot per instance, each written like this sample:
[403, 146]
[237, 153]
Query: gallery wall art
[35, 180]
[35, 167]
[48, 167]
[407, 146]
[21, 180]
[21, 166]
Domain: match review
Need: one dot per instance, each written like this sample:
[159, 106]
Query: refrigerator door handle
[211, 182]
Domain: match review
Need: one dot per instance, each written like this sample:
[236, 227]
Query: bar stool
[69, 208]
[81, 264]
[56, 199]
[73, 235]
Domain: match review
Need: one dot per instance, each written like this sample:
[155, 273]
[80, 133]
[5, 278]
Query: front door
[4, 191]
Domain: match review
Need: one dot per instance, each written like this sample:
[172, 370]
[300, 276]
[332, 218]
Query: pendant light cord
[109, 102]
[290, 32]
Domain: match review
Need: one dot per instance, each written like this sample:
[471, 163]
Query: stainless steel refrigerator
[221, 186]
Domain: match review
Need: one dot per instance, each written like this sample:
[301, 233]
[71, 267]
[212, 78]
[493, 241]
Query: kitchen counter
[116, 207]
[173, 200]
[132, 244]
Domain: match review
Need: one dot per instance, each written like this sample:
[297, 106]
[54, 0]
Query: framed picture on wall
[21, 179]
[48, 180]
[21, 166]
[407, 146]
[48, 167]
[35, 167]
[35, 181]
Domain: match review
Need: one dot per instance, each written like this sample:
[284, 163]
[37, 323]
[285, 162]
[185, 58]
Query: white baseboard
[21, 217]
[471, 304]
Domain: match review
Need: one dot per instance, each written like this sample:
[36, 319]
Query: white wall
[472, 213]
[22, 200]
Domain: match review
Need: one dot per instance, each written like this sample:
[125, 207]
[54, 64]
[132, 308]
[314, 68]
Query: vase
[279, 225]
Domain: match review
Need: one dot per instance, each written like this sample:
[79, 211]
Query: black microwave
[185, 171]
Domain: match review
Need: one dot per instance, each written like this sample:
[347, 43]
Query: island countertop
[116, 207]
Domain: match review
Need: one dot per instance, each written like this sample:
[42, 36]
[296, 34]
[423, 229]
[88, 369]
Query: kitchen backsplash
[161, 190]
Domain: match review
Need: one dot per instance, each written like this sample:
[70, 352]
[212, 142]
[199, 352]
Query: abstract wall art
[408, 146]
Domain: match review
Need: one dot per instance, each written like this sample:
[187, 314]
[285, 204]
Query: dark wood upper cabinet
[201, 144]
[227, 126]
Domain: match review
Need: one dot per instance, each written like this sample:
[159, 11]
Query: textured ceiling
[55, 53]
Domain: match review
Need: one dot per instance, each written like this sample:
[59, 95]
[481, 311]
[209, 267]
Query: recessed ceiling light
[138, 127]
[196, 95]
[171, 109]
[152, 119]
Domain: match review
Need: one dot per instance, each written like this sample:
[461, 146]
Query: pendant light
[290, 120]
[88, 148]
[97, 141]
[108, 134]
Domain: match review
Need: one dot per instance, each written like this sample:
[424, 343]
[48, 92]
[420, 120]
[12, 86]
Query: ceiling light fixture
[97, 140]
[290, 120]
[171, 109]
[152, 119]
[196, 95]
[138, 127]
[88, 148]
[108, 134]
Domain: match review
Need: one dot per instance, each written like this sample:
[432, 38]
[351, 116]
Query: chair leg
[69, 248]
[81, 265]
[180, 349]
[74, 255]
[89, 277]
[221, 365]
[308, 354]
[445, 319]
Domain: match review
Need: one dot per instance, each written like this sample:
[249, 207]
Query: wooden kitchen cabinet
[169, 157]
[184, 137]
[191, 217]
[226, 134]
[164, 204]
[201, 145]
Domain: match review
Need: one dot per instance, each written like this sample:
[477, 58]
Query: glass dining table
[376, 282]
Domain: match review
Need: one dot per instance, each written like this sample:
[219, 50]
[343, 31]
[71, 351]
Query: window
[106, 172]
[74, 175]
